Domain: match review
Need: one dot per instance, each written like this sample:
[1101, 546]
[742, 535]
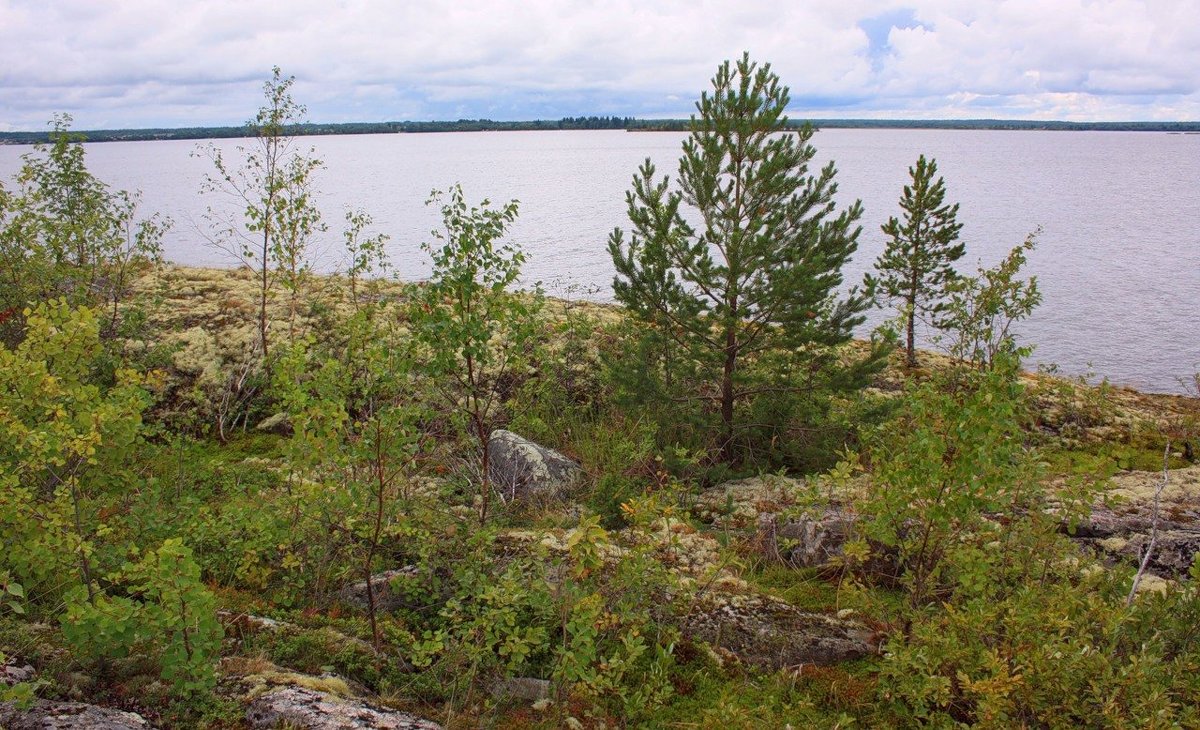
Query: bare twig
[1137, 579]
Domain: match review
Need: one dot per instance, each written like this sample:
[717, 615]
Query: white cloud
[150, 62]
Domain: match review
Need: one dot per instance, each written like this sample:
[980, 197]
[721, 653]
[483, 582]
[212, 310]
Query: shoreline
[211, 279]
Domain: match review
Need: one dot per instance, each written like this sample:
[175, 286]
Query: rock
[1122, 531]
[807, 542]
[334, 641]
[738, 503]
[279, 424]
[527, 689]
[769, 633]
[306, 709]
[386, 599]
[11, 674]
[521, 468]
[45, 715]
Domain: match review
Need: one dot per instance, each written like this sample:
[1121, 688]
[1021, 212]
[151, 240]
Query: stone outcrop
[738, 503]
[805, 542]
[520, 468]
[45, 715]
[1121, 529]
[1117, 529]
[11, 674]
[769, 633]
[307, 709]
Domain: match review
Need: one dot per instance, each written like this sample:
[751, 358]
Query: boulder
[279, 424]
[46, 715]
[11, 674]
[768, 633]
[520, 468]
[805, 542]
[308, 709]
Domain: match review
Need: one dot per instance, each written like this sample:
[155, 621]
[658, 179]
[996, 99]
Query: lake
[1118, 259]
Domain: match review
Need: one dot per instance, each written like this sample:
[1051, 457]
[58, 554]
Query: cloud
[156, 63]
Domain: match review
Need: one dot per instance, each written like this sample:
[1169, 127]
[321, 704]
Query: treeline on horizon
[591, 123]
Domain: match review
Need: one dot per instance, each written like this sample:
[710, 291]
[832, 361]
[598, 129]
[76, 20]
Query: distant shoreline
[594, 123]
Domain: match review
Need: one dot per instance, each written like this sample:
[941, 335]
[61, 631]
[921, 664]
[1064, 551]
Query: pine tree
[917, 264]
[743, 303]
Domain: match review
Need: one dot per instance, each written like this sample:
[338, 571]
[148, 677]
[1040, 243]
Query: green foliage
[167, 609]
[66, 444]
[355, 430]
[743, 308]
[273, 187]
[1042, 645]
[64, 233]
[475, 332]
[950, 457]
[982, 309]
[916, 267]
[366, 255]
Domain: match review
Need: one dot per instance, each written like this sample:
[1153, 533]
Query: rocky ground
[205, 320]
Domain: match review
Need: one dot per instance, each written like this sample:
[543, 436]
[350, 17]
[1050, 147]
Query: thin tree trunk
[911, 359]
[727, 454]
[85, 568]
[379, 489]
[262, 301]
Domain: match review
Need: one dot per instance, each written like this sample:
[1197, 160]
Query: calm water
[1118, 260]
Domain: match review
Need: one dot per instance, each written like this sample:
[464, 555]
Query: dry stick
[1137, 579]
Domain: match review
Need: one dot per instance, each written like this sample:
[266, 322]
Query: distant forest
[593, 122]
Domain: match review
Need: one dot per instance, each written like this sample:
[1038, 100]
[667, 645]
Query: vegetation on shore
[592, 122]
[221, 489]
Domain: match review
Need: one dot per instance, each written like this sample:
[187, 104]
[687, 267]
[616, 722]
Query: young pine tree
[744, 300]
[917, 264]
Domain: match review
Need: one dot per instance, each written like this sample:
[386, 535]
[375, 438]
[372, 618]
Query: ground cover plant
[198, 526]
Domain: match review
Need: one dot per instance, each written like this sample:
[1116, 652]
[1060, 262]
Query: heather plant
[1036, 638]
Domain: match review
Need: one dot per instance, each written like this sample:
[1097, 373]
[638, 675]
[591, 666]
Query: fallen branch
[1137, 579]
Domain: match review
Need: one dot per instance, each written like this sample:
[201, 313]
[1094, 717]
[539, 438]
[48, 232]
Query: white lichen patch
[738, 503]
[1183, 486]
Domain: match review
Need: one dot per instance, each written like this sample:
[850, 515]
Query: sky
[152, 63]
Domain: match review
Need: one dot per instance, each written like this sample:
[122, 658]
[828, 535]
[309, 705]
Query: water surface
[1118, 259]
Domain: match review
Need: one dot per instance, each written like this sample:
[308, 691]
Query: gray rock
[768, 633]
[306, 709]
[521, 468]
[11, 674]
[807, 542]
[45, 715]
[381, 584]
[279, 424]
[1122, 534]
[528, 689]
